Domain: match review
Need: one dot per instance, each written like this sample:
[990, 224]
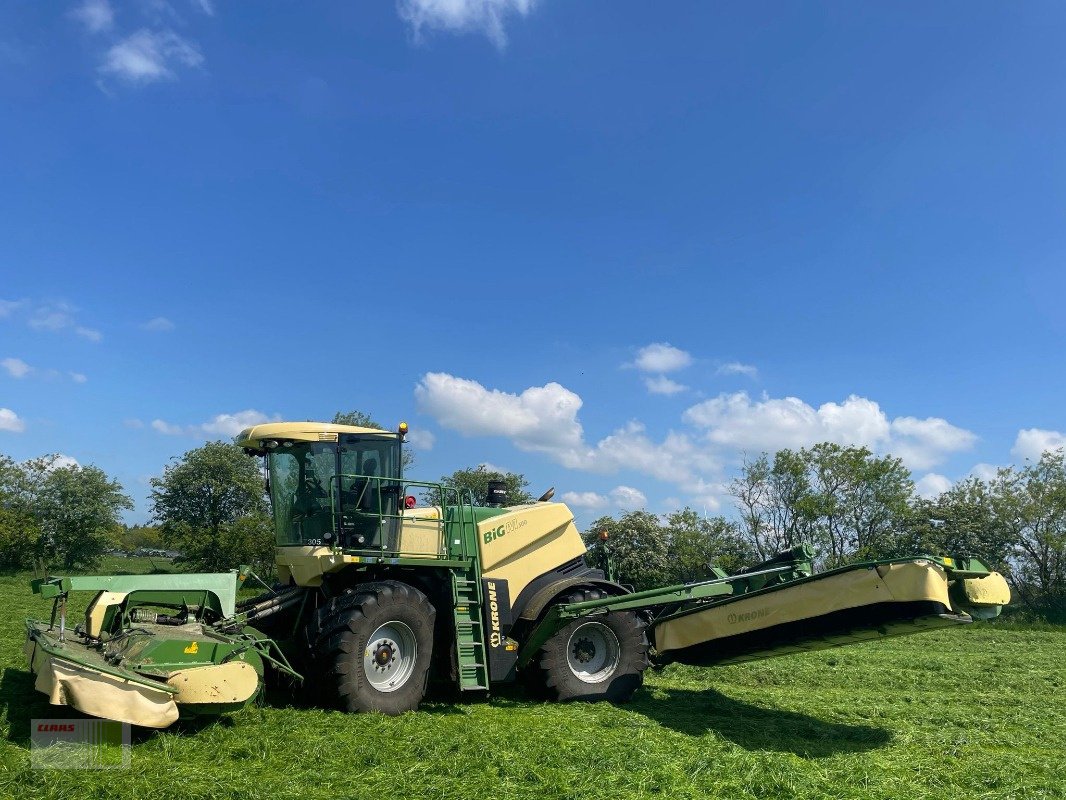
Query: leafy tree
[961, 521]
[19, 538]
[843, 501]
[203, 502]
[475, 480]
[696, 542]
[140, 536]
[1030, 504]
[360, 420]
[79, 513]
[636, 547]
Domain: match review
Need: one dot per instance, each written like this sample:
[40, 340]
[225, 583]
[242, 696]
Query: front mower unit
[152, 648]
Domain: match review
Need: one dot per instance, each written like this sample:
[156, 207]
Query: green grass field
[974, 712]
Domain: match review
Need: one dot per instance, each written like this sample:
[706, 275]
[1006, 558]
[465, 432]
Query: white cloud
[136, 424]
[205, 6]
[932, 485]
[61, 461]
[488, 466]
[9, 421]
[147, 56]
[51, 317]
[625, 497]
[232, 424]
[16, 367]
[77, 377]
[226, 425]
[56, 317]
[628, 498]
[736, 421]
[158, 325]
[1033, 442]
[984, 472]
[736, 368]
[7, 306]
[540, 419]
[462, 16]
[660, 384]
[586, 500]
[96, 15]
[661, 357]
[421, 438]
[165, 427]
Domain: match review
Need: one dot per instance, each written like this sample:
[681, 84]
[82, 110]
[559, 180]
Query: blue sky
[614, 246]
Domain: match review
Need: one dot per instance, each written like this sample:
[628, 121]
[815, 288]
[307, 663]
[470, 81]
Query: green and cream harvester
[379, 597]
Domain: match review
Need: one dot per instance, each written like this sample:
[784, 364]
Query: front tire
[595, 658]
[374, 647]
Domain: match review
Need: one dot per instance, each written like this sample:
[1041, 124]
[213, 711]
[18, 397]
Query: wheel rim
[592, 652]
[389, 658]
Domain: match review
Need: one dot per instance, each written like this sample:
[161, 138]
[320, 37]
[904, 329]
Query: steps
[469, 631]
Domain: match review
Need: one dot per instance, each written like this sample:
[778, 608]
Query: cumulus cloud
[147, 56]
[421, 439]
[736, 368]
[16, 367]
[661, 357]
[660, 384]
[96, 15]
[628, 498]
[61, 461]
[165, 427]
[8, 306]
[590, 501]
[540, 419]
[462, 16]
[225, 425]
[932, 485]
[54, 317]
[543, 419]
[158, 325]
[984, 472]
[10, 421]
[77, 377]
[1033, 442]
[624, 497]
[737, 421]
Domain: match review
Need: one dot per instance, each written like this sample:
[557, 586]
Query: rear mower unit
[378, 596]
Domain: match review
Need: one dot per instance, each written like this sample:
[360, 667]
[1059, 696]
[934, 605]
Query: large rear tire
[373, 646]
[595, 658]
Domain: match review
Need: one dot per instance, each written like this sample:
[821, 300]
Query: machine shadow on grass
[754, 727]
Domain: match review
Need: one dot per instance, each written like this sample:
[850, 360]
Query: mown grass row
[978, 712]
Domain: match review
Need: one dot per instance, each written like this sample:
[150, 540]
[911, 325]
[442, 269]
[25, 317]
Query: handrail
[450, 497]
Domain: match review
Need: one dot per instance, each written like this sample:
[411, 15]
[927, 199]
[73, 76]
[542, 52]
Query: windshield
[326, 492]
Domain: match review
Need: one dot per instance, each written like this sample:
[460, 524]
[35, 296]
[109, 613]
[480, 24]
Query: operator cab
[330, 485]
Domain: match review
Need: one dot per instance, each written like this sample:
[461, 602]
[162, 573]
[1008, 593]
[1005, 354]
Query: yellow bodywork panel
[94, 614]
[421, 533]
[527, 541]
[989, 590]
[911, 581]
[232, 682]
[300, 432]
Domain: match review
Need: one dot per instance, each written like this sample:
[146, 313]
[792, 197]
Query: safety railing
[368, 518]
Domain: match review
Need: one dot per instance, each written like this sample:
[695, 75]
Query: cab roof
[254, 436]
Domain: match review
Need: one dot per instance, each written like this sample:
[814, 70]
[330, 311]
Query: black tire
[388, 624]
[600, 657]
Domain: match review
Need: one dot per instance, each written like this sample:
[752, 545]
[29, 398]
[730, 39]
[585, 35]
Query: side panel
[526, 542]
